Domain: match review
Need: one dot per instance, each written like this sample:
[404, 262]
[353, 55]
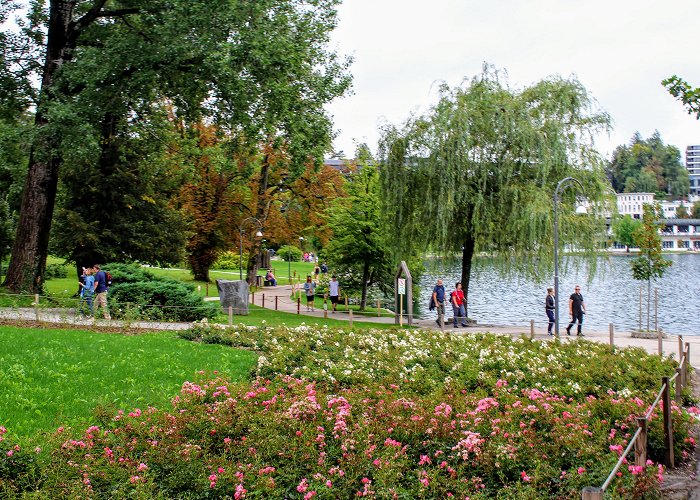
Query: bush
[289, 253]
[229, 260]
[55, 271]
[129, 273]
[166, 300]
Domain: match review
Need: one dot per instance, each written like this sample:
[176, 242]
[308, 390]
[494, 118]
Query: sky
[620, 50]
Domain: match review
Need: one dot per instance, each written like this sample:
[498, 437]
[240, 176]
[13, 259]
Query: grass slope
[57, 377]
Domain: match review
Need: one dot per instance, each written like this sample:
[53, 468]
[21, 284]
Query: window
[683, 244]
[666, 244]
[696, 244]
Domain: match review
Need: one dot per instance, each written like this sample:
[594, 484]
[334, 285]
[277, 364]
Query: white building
[692, 163]
[632, 204]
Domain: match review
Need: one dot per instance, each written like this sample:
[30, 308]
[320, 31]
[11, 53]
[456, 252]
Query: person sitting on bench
[270, 278]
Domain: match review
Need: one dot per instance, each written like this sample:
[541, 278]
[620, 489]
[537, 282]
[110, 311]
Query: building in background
[692, 163]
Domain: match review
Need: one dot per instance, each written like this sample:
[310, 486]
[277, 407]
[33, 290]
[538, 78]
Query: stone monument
[234, 294]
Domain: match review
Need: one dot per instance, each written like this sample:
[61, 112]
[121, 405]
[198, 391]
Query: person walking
[101, 291]
[459, 310]
[549, 309]
[577, 308]
[439, 303]
[87, 287]
[310, 290]
[334, 291]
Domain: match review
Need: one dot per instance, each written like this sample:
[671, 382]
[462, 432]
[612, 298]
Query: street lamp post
[240, 234]
[562, 184]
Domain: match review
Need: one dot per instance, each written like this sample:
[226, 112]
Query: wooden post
[591, 493]
[325, 310]
[679, 384]
[668, 424]
[252, 297]
[230, 315]
[298, 305]
[276, 297]
[36, 305]
[612, 335]
[263, 300]
[532, 329]
[640, 445]
[687, 363]
[350, 318]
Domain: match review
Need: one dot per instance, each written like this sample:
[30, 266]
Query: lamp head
[258, 234]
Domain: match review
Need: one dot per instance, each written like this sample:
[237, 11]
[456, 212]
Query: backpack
[108, 278]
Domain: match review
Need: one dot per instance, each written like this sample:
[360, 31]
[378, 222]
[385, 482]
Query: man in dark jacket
[101, 292]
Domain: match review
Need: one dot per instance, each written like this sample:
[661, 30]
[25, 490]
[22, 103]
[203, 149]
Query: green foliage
[228, 260]
[158, 300]
[290, 253]
[695, 213]
[56, 271]
[684, 92]
[358, 253]
[131, 273]
[650, 264]
[648, 166]
[477, 173]
[682, 212]
[624, 228]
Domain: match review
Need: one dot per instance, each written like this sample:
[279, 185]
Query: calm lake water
[611, 297]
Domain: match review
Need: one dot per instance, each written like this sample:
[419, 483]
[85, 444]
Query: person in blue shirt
[101, 291]
[87, 287]
[439, 301]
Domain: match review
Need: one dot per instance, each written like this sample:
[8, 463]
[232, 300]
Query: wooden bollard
[640, 445]
[680, 348]
[298, 305]
[612, 335]
[350, 318]
[276, 297]
[591, 493]
[532, 329]
[230, 315]
[263, 300]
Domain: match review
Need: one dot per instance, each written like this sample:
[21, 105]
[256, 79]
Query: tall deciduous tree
[623, 230]
[650, 264]
[648, 166]
[259, 68]
[478, 171]
[358, 252]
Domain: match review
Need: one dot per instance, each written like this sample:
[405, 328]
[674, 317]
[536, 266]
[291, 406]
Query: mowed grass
[51, 377]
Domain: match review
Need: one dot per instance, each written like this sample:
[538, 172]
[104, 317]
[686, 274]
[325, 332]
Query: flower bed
[339, 414]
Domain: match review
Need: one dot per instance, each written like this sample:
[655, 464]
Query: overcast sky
[620, 50]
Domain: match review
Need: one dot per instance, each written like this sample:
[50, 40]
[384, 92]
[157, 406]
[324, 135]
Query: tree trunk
[261, 211]
[28, 262]
[467, 254]
[365, 280]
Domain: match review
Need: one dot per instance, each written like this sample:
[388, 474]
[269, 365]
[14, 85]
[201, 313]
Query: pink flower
[524, 477]
[581, 470]
[309, 495]
[142, 466]
[240, 492]
[134, 479]
[636, 469]
[329, 484]
[10, 453]
[501, 383]
[303, 486]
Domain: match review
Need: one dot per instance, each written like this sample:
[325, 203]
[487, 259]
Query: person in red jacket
[459, 308]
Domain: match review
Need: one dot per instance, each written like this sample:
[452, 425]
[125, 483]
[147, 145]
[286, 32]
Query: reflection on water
[611, 297]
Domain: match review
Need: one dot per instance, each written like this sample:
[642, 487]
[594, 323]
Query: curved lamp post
[240, 234]
[562, 184]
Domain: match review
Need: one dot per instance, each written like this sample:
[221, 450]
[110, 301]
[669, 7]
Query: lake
[612, 296]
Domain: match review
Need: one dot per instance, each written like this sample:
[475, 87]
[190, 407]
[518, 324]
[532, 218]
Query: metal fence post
[263, 300]
[668, 424]
[276, 297]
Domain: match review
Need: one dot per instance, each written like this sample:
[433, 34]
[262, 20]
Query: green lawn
[57, 377]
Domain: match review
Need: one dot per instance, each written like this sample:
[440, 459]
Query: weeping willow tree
[477, 173]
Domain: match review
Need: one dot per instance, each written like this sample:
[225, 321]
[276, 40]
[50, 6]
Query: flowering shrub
[425, 361]
[389, 414]
[19, 471]
[292, 438]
